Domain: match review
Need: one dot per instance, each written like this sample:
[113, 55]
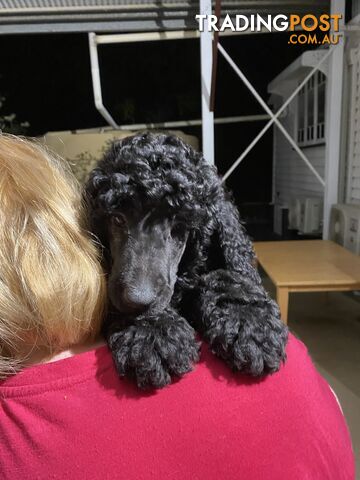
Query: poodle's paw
[153, 349]
[242, 324]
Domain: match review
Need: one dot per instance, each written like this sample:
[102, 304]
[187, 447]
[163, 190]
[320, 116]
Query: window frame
[311, 135]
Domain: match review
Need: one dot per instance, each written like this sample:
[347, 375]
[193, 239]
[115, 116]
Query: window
[311, 111]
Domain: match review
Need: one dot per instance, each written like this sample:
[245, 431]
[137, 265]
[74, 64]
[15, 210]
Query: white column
[333, 120]
[206, 68]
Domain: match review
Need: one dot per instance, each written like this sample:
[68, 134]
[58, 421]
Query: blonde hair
[52, 289]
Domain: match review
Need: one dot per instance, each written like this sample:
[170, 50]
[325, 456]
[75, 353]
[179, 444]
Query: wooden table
[307, 266]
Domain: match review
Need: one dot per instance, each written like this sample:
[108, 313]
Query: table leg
[282, 297]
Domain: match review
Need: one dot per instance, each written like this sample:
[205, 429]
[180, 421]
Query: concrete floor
[329, 325]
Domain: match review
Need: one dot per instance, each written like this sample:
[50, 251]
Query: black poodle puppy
[175, 249]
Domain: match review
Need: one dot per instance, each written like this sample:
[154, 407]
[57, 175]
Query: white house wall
[353, 157]
[292, 178]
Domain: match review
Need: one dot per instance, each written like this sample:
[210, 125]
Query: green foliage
[86, 161]
[9, 122]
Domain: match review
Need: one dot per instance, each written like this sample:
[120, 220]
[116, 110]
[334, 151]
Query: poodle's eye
[118, 220]
[178, 230]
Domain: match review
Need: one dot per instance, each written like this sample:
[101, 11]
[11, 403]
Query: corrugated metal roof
[24, 16]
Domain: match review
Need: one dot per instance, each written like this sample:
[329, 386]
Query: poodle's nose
[138, 299]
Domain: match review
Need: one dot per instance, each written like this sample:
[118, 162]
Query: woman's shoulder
[295, 398]
[210, 372]
[298, 365]
[212, 423]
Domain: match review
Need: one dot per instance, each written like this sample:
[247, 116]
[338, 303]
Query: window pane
[300, 136]
[310, 98]
[321, 103]
[301, 118]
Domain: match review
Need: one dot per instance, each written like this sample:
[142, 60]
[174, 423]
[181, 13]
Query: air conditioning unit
[295, 214]
[345, 226]
[306, 214]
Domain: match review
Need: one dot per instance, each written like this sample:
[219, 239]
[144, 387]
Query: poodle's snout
[138, 299]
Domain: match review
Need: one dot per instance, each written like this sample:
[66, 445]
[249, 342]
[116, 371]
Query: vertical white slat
[274, 166]
[316, 100]
[306, 93]
[206, 58]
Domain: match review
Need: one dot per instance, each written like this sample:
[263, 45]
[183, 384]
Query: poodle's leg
[239, 319]
[153, 348]
[241, 323]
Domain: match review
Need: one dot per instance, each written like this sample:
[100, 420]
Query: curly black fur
[212, 279]
[240, 321]
[153, 348]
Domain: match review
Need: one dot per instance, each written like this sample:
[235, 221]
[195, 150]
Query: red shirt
[75, 419]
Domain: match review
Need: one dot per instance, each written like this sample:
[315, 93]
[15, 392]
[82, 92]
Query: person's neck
[43, 355]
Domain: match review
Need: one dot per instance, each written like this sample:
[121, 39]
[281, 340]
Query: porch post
[206, 58]
[333, 120]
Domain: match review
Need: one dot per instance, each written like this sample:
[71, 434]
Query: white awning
[37, 16]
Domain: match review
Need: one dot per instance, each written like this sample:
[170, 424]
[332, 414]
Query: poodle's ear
[228, 237]
[235, 245]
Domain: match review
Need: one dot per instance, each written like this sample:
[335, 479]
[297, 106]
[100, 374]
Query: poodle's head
[147, 197]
